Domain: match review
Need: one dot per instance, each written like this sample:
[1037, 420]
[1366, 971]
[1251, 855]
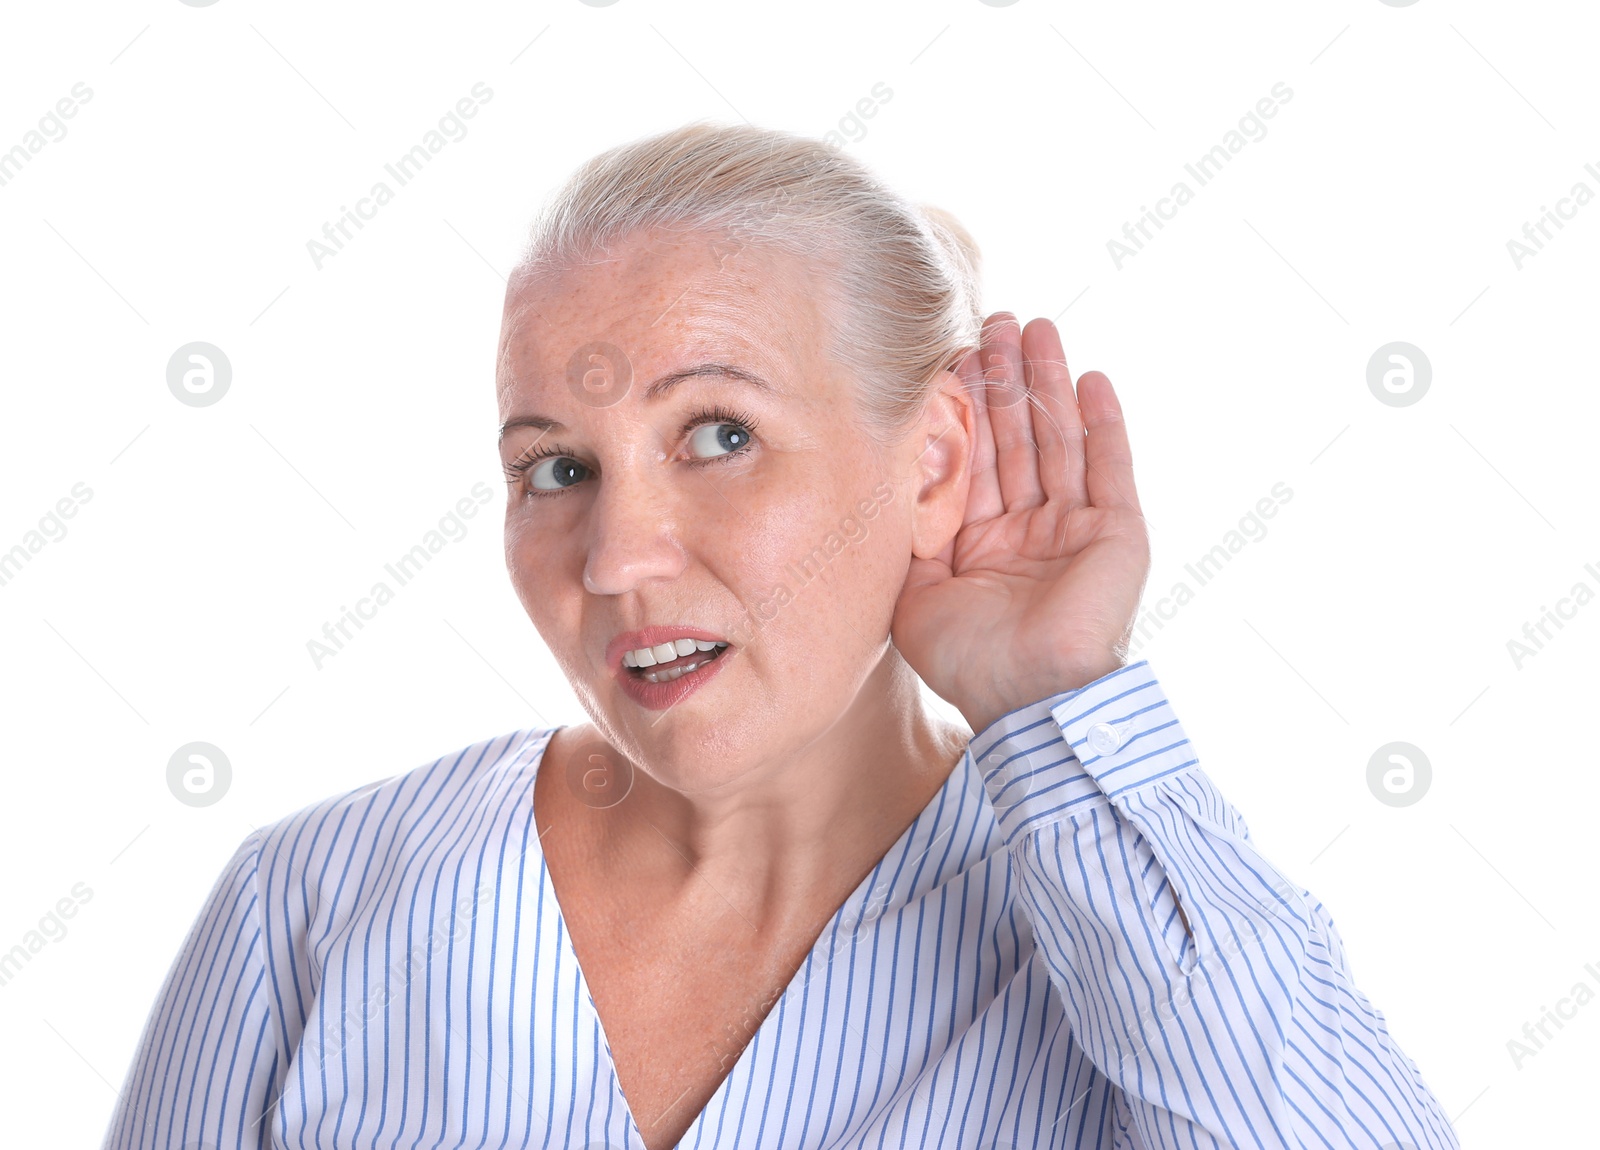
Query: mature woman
[766, 471]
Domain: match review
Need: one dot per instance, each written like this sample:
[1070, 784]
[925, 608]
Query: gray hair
[904, 304]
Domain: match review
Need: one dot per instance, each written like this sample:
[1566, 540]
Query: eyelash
[697, 419]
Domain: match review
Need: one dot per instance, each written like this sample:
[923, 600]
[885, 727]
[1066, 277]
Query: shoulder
[383, 821]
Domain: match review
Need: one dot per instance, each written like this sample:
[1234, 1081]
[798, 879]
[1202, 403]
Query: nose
[632, 534]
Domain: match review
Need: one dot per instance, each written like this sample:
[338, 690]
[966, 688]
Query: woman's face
[678, 494]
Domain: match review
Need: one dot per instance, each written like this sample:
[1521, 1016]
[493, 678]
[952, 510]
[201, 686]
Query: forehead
[656, 301]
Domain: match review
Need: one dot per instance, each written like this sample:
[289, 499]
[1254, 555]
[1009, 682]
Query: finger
[1109, 460]
[1016, 454]
[983, 491]
[1057, 427]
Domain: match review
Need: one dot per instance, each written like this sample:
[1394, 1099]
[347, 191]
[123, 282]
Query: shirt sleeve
[204, 1070]
[1210, 990]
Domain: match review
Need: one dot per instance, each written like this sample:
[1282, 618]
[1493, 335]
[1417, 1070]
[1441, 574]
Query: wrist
[981, 713]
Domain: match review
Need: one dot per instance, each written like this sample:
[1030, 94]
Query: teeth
[667, 652]
[676, 671]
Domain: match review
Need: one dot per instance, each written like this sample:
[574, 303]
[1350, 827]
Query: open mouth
[666, 670]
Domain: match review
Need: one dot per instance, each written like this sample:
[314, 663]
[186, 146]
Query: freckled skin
[764, 798]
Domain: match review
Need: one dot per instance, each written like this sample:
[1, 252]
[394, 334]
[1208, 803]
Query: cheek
[520, 549]
[817, 574]
[541, 567]
[775, 518]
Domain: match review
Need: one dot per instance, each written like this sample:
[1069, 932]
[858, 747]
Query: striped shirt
[1075, 944]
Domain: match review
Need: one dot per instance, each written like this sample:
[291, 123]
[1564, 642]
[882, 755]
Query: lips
[662, 696]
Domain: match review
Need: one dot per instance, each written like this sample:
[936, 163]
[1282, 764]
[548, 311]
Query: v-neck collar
[907, 855]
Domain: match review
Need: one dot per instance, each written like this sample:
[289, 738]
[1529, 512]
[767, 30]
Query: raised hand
[1038, 591]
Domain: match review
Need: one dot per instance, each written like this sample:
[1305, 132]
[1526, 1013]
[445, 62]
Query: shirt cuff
[1073, 751]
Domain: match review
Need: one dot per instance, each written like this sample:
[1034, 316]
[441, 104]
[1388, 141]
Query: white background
[1377, 608]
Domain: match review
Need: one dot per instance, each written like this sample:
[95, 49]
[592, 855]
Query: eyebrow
[655, 391]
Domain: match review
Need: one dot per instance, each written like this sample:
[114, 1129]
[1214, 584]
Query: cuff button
[1104, 739]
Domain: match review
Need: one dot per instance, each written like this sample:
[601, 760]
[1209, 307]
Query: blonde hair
[905, 301]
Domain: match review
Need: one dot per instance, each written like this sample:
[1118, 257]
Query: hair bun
[955, 239]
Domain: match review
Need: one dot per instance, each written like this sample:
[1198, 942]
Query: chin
[701, 750]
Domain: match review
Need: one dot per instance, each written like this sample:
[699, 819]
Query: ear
[941, 467]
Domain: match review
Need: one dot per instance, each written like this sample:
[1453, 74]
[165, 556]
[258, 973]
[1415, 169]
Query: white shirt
[1015, 972]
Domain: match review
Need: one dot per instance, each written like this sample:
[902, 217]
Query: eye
[715, 435]
[718, 434]
[555, 472]
[725, 438]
